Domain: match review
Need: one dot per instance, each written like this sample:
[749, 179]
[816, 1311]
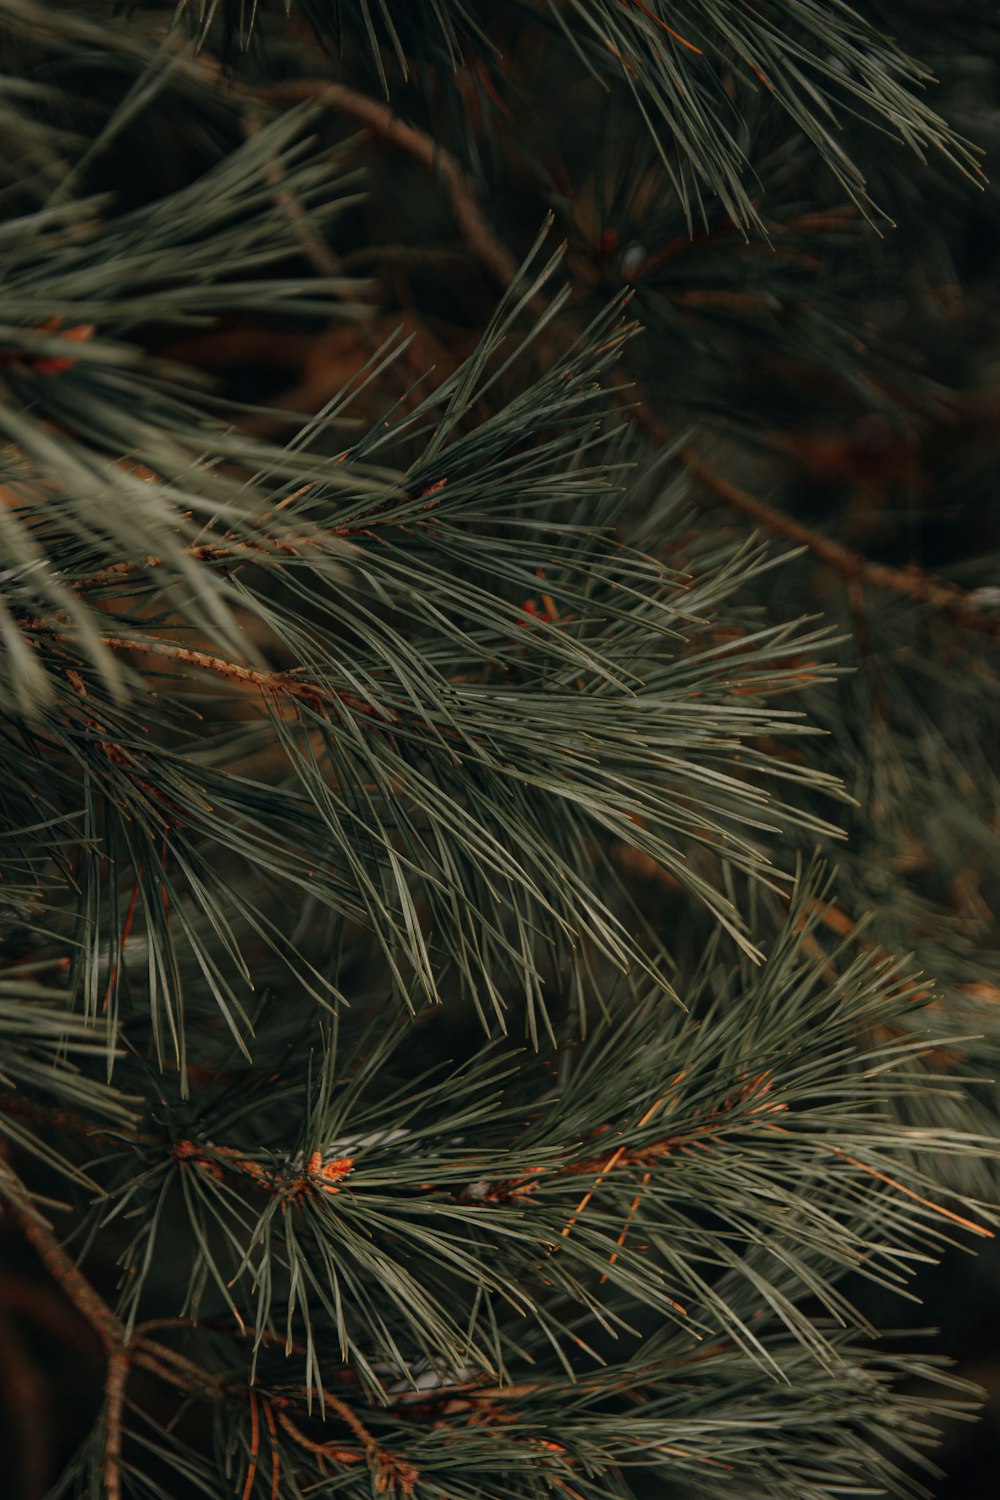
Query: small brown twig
[335, 1452]
[317, 1176]
[388, 1469]
[273, 684]
[399, 511]
[115, 1382]
[64, 1270]
[317, 251]
[481, 239]
[411, 257]
[272, 1433]
[106, 1325]
[193, 1376]
[251, 1478]
[911, 582]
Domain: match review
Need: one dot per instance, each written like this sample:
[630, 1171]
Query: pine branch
[677, 1427]
[496, 260]
[335, 766]
[687, 67]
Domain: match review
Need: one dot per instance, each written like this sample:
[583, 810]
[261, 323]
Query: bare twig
[230, 551]
[272, 1433]
[192, 1375]
[388, 1469]
[251, 1478]
[335, 1452]
[273, 684]
[104, 1322]
[72, 1280]
[316, 249]
[410, 257]
[912, 582]
[481, 239]
[114, 1404]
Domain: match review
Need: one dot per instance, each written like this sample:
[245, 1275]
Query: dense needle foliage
[498, 702]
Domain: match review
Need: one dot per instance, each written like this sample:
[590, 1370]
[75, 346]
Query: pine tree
[498, 989]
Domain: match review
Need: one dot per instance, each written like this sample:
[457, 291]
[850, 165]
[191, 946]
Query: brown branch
[268, 683]
[352, 1421]
[106, 1325]
[143, 1359]
[702, 1130]
[316, 249]
[481, 239]
[272, 1433]
[411, 257]
[251, 1478]
[911, 582]
[388, 1469]
[334, 1452]
[398, 512]
[114, 1396]
[69, 1276]
[182, 1368]
[222, 552]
